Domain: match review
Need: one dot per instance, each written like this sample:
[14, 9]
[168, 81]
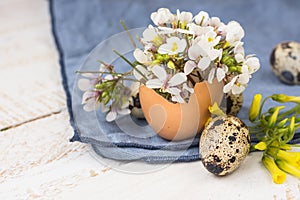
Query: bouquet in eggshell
[187, 63]
[187, 67]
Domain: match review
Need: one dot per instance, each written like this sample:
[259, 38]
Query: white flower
[185, 17]
[215, 22]
[142, 57]
[209, 40]
[237, 85]
[167, 82]
[162, 16]
[115, 111]
[199, 30]
[90, 99]
[202, 18]
[143, 70]
[187, 88]
[150, 37]
[250, 65]
[91, 79]
[189, 67]
[207, 56]
[169, 30]
[239, 53]
[173, 46]
[149, 34]
[134, 88]
[220, 73]
[234, 32]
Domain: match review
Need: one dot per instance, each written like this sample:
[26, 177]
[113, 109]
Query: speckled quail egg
[285, 62]
[234, 103]
[224, 144]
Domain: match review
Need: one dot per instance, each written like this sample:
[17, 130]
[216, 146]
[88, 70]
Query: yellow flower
[282, 98]
[215, 110]
[288, 167]
[273, 117]
[255, 107]
[277, 175]
[291, 129]
[207, 121]
[260, 146]
[291, 157]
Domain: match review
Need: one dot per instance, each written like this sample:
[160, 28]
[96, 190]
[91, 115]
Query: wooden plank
[38, 162]
[29, 71]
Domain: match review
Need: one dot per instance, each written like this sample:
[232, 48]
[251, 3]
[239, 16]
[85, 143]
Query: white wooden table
[38, 162]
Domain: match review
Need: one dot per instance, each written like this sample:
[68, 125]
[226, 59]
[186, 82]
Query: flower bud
[277, 175]
[230, 62]
[273, 117]
[171, 65]
[287, 167]
[282, 98]
[260, 146]
[291, 129]
[255, 107]
[282, 123]
[291, 157]
[155, 62]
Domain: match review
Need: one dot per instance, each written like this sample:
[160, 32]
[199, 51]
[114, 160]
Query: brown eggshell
[178, 121]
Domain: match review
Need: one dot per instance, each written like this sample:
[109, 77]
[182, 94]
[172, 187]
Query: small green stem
[98, 72]
[132, 65]
[129, 35]
[262, 105]
[289, 112]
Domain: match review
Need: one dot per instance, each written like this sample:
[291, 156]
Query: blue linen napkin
[78, 26]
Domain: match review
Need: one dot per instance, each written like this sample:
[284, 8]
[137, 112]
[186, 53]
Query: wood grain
[37, 161]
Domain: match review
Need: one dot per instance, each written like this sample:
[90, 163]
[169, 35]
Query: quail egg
[224, 144]
[285, 62]
[234, 103]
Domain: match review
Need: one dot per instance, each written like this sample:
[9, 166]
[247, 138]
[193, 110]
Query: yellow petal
[278, 175]
[255, 107]
[260, 146]
[287, 167]
[215, 110]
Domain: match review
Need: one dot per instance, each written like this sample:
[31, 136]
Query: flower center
[174, 47]
[210, 39]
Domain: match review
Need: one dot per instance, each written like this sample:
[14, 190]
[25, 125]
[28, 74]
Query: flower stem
[129, 35]
[262, 105]
[289, 112]
[132, 65]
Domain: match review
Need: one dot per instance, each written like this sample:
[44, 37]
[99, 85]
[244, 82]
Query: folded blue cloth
[78, 26]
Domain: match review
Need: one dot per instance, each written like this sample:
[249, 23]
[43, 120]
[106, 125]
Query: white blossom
[115, 111]
[234, 32]
[202, 18]
[219, 72]
[162, 16]
[173, 46]
[142, 71]
[90, 99]
[250, 65]
[237, 85]
[185, 17]
[167, 82]
[199, 30]
[142, 57]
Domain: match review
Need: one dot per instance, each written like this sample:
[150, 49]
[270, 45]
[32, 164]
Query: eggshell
[178, 121]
